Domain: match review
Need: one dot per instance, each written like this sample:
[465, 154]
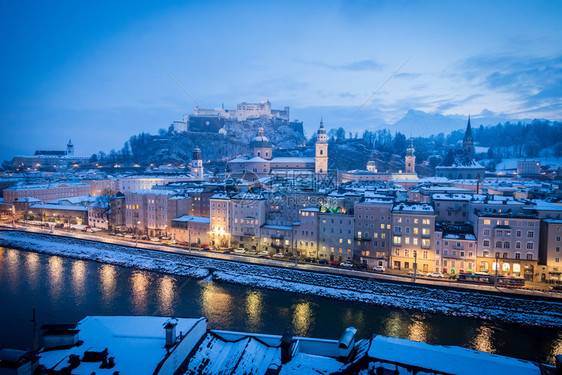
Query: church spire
[468, 140]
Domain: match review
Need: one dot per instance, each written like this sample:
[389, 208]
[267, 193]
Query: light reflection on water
[55, 271]
[303, 319]
[418, 331]
[139, 284]
[108, 282]
[166, 294]
[216, 304]
[78, 272]
[30, 279]
[483, 339]
[254, 301]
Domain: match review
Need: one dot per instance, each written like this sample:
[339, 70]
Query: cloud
[533, 81]
[357, 66]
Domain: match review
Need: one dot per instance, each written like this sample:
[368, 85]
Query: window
[518, 245]
[518, 233]
[517, 255]
[529, 256]
[425, 221]
[486, 222]
[530, 234]
[505, 255]
[529, 246]
[486, 232]
[506, 245]
[486, 243]
[498, 245]
[557, 249]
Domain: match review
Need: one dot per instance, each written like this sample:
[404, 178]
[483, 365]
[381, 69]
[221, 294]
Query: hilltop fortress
[214, 118]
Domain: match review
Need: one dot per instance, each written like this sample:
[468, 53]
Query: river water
[66, 290]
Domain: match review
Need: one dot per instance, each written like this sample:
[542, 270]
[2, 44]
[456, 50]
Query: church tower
[410, 157]
[321, 159]
[468, 141]
[70, 148]
[197, 164]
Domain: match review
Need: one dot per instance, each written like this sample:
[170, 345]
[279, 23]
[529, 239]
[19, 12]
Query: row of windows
[486, 253]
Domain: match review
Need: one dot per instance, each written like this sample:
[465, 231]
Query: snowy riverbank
[426, 299]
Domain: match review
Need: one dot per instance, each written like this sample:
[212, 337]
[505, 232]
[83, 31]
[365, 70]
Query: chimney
[170, 328]
[286, 344]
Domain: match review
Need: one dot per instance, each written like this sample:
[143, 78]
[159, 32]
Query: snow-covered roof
[459, 159]
[155, 192]
[546, 206]
[85, 199]
[446, 359]
[194, 219]
[136, 342]
[289, 159]
[452, 197]
[414, 208]
[59, 207]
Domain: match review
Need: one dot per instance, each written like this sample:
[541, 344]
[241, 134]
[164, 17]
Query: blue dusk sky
[88, 70]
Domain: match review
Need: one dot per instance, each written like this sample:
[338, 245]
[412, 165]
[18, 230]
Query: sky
[97, 72]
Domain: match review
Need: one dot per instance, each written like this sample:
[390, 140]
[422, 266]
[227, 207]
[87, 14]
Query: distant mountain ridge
[420, 123]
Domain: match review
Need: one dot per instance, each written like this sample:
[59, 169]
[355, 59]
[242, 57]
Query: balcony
[427, 235]
[362, 238]
[397, 233]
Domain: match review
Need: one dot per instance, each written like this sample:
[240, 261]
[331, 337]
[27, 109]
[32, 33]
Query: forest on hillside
[347, 151]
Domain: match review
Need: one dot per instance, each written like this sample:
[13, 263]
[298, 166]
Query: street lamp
[137, 234]
[415, 264]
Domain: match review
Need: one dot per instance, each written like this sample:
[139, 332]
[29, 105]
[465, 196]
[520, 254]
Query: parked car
[361, 266]
[155, 239]
[181, 243]
[145, 238]
[193, 244]
[348, 264]
[294, 257]
[165, 238]
[173, 242]
[278, 255]
[263, 253]
[418, 273]
[240, 251]
[251, 252]
[203, 246]
[128, 236]
[323, 261]
[119, 234]
[111, 234]
[435, 274]
[334, 263]
[556, 288]
[378, 269]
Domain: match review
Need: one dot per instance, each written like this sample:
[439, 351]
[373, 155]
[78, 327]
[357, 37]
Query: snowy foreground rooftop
[161, 345]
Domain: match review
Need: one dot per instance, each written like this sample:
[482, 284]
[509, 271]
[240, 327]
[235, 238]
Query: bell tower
[321, 158]
[410, 157]
[197, 164]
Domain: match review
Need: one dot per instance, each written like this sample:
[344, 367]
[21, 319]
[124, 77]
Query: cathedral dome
[260, 141]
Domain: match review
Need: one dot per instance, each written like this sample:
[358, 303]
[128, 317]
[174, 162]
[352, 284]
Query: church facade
[460, 164]
[261, 162]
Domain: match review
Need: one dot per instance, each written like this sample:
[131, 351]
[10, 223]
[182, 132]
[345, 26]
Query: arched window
[498, 245]
[321, 152]
[506, 245]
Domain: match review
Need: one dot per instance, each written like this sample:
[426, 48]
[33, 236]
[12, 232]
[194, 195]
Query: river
[66, 290]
